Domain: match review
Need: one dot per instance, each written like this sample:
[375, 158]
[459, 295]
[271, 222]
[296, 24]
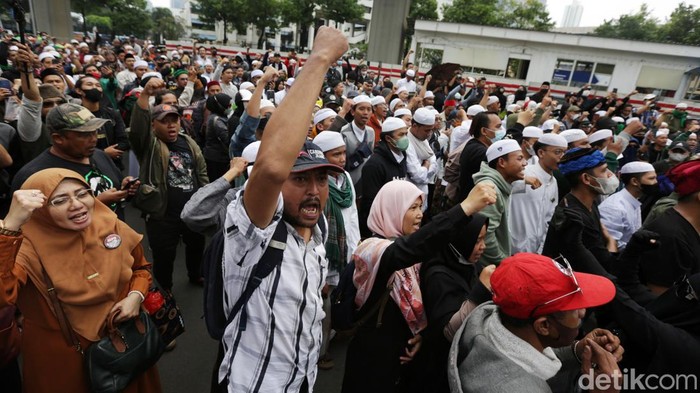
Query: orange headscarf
[88, 276]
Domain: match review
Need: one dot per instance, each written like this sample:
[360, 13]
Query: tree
[263, 14]
[84, 7]
[341, 11]
[530, 15]
[638, 26]
[682, 26]
[103, 23]
[420, 10]
[165, 25]
[477, 12]
[212, 11]
[300, 13]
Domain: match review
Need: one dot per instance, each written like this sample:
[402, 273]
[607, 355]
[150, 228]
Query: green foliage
[683, 26]
[637, 26]
[103, 23]
[528, 15]
[423, 10]
[165, 25]
[340, 10]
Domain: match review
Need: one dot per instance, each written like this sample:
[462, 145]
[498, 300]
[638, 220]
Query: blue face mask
[500, 133]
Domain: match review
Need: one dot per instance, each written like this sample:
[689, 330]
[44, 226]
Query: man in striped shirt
[278, 348]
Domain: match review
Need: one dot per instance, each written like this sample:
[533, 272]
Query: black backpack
[212, 270]
[345, 317]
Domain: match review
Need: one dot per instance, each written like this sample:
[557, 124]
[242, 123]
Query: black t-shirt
[678, 252]
[181, 176]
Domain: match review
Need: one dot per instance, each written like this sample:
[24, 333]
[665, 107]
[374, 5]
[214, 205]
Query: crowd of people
[489, 242]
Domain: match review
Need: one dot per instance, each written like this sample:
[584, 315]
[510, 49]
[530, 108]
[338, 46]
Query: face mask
[677, 157]
[401, 144]
[500, 133]
[606, 185]
[460, 258]
[93, 95]
[576, 116]
[340, 63]
[530, 150]
[228, 112]
[650, 189]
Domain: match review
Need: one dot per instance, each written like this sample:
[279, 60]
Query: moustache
[313, 201]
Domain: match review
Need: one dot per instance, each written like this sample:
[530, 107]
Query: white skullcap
[140, 63]
[531, 105]
[428, 94]
[585, 93]
[255, 74]
[510, 98]
[250, 153]
[13, 48]
[324, 114]
[681, 105]
[378, 100]
[401, 90]
[46, 55]
[532, 132]
[601, 113]
[87, 58]
[393, 103]
[693, 136]
[410, 73]
[649, 97]
[392, 124]
[74, 41]
[600, 135]
[637, 167]
[553, 140]
[83, 45]
[361, 99]
[475, 110]
[329, 140]
[424, 116]
[618, 119]
[49, 49]
[662, 131]
[631, 120]
[247, 86]
[152, 74]
[289, 82]
[265, 103]
[402, 112]
[492, 100]
[246, 95]
[549, 124]
[512, 107]
[573, 135]
[501, 148]
[208, 62]
[664, 124]
[174, 53]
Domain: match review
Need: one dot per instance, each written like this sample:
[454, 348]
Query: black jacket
[381, 167]
[470, 160]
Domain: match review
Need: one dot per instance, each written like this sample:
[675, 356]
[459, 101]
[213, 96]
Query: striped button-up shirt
[279, 348]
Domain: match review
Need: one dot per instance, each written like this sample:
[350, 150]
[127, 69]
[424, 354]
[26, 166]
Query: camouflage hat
[160, 111]
[73, 117]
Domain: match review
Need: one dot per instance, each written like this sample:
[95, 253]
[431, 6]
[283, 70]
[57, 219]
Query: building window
[517, 68]
[578, 73]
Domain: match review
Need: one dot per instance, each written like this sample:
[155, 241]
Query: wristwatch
[8, 232]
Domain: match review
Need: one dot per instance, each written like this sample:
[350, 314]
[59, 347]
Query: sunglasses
[566, 268]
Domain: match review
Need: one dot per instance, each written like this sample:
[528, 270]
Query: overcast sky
[594, 11]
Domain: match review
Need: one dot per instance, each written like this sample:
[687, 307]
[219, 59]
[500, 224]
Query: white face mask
[677, 157]
[530, 150]
[576, 116]
[606, 185]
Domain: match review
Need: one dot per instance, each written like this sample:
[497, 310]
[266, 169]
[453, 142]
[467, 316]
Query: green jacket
[153, 157]
[498, 245]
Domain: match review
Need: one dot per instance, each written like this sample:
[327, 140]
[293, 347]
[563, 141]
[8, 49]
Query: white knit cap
[392, 124]
[265, 103]
[424, 116]
[329, 140]
[475, 110]
[246, 95]
[600, 135]
[553, 140]
[492, 100]
[361, 99]
[549, 124]
[324, 114]
[246, 86]
[501, 148]
[255, 74]
[662, 131]
[631, 120]
[393, 103]
[378, 100]
[402, 112]
[428, 94]
[140, 63]
[250, 153]
[532, 132]
[636, 167]
[410, 73]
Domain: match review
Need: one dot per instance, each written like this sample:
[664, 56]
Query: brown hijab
[89, 277]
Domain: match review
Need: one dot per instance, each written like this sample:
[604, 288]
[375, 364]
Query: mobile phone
[130, 183]
[615, 90]
[6, 84]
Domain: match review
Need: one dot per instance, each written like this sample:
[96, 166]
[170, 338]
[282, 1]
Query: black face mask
[93, 95]
[650, 189]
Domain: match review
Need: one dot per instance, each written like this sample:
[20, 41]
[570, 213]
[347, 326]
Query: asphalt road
[188, 368]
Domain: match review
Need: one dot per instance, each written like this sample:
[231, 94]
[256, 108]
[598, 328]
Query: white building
[572, 15]
[519, 57]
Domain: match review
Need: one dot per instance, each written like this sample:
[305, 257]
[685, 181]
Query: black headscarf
[218, 104]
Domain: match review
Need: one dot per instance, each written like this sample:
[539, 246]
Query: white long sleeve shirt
[621, 213]
[531, 210]
[418, 174]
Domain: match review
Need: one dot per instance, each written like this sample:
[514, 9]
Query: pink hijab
[386, 219]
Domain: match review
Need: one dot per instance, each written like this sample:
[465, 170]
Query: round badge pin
[112, 241]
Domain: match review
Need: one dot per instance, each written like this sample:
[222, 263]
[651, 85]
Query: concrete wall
[386, 35]
[52, 16]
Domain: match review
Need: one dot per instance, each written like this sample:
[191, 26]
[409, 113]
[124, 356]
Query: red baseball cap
[531, 285]
[450, 103]
[686, 177]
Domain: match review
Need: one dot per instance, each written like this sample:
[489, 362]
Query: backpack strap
[377, 308]
[271, 258]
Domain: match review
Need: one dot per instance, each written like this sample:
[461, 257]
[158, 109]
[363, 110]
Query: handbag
[123, 354]
[9, 335]
[165, 313]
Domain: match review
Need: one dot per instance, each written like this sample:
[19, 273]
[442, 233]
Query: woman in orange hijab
[96, 263]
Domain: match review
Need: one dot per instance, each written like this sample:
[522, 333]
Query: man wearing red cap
[678, 253]
[527, 332]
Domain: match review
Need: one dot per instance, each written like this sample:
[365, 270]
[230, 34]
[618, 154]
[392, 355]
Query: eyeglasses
[569, 272]
[80, 196]
[558, 152]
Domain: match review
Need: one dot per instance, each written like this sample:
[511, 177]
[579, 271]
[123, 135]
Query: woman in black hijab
[453, 284]
[217, 136]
